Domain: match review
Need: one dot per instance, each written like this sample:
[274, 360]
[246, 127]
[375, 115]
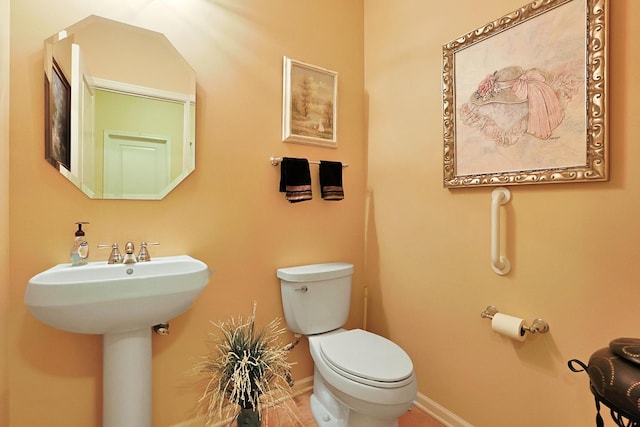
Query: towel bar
[275, 161]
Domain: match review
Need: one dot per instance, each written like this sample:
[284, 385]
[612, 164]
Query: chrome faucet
[115, 257]
[129, 256]
[144, 254]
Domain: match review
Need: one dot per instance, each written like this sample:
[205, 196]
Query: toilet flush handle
[302, 289]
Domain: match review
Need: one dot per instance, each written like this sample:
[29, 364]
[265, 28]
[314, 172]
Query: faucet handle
[115, 257]
[144, 254]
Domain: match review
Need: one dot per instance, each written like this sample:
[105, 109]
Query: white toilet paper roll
[512, 327]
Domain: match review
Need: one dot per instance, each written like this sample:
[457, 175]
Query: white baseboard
[440, 413]
[302, 386]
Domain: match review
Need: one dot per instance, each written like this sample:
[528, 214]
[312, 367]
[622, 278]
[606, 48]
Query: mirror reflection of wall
[132, 110]
[142, 118]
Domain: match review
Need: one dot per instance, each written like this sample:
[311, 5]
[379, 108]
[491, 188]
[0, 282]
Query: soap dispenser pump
[80, 247]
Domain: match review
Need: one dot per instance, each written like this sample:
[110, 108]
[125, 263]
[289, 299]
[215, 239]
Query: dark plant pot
[249, 418]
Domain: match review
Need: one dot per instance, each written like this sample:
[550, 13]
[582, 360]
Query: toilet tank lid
[315, 272]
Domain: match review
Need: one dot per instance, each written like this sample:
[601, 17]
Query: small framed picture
[309, 106]
[58, 119]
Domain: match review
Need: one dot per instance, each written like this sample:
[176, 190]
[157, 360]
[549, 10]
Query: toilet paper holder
[537, 326]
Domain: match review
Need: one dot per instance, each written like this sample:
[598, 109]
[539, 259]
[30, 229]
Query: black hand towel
[295, 179]
[331, 180]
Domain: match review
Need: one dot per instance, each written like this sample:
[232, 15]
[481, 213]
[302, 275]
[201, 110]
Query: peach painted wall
[573, 247]
[228, 213]
[4, 210]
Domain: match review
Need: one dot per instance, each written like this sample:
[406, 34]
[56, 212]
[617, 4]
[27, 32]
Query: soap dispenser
[80, 247]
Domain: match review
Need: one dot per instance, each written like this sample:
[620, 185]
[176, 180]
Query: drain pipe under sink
[161, 328]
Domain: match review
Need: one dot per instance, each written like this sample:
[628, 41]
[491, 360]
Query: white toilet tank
[316, 298]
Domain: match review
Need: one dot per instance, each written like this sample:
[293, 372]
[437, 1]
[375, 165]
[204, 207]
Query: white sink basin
[101, 298]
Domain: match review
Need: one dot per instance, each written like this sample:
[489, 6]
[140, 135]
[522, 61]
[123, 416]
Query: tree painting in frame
[309, 104]
[58, 118]
[524, 97]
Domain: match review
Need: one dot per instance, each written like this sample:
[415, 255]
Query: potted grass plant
[246, 372]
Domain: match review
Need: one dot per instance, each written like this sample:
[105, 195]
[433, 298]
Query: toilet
[360, 379]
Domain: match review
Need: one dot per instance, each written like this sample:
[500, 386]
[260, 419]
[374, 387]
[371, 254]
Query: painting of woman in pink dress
[512, 102]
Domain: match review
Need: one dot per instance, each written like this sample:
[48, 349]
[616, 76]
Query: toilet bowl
[360, 379]
[370, 375]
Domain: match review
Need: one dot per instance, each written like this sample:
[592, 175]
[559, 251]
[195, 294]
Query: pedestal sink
[122, 302]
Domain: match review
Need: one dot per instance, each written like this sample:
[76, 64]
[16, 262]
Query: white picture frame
[310, 104]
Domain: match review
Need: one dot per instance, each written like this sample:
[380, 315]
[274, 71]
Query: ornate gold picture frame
[524, 97]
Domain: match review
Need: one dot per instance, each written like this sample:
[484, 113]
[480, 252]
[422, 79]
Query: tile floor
[413, 418]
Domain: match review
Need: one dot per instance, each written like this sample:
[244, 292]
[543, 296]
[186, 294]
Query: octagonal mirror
[119, 110]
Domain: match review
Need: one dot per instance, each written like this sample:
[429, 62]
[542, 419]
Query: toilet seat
[367, 359]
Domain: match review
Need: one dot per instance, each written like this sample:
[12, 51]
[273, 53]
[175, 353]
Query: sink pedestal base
[127, 379]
